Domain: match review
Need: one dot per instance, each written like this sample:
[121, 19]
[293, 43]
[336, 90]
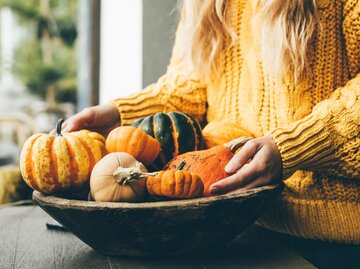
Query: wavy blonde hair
[287, 26]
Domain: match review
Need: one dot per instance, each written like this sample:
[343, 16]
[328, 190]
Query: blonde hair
[287, 26]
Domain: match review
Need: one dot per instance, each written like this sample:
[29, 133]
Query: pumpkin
[175, 184]
[177, 133]
[60, 162]
[209, 164]
[135, 142]
[164, 184]
[108, 179]
[218, 133]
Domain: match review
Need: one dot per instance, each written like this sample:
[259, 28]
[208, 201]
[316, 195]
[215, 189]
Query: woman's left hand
[258, 163]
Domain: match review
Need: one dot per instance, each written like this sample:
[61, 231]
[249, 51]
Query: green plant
[46, 61]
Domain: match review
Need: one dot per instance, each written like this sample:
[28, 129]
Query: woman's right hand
[101, 119]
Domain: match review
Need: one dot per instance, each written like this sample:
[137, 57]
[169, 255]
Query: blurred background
[60, 56]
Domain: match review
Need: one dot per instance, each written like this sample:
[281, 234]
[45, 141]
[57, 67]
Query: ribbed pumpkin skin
[175, 184]
[208, 164]
[56, 163]
[135, 142]
[105, 188]
[177, 133]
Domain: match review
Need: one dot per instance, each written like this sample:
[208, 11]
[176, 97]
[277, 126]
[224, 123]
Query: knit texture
[316, 124]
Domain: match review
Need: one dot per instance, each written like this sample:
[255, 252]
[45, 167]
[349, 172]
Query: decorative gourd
[135, 142]
[209, 164]
[176, 184]
[60, 162]
[177, 133]
[218, 133]
[107, 181]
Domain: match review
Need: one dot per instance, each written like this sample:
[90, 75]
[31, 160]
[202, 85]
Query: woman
[285, 70]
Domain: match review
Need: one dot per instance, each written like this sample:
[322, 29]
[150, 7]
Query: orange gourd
[209, 164]
[217, 133]
[60, 162]
[175, 184]
[108, 179]
[135, 142]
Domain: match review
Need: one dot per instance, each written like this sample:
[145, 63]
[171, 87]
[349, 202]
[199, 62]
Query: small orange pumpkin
[209, 164]
[175, 184]
[219, 132]
[165, 184]
[135, 142]
[108, 183]
[61, 162]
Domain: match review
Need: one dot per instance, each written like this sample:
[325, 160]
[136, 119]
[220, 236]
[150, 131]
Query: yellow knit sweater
[316, 124]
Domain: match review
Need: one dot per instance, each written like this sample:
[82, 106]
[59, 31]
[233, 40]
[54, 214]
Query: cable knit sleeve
[175, 91]
[328, 139]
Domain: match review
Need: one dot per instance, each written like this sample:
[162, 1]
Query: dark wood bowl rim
[90, 205]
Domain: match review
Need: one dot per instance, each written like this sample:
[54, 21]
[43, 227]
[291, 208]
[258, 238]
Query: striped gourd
[60, 162]
[177, 132]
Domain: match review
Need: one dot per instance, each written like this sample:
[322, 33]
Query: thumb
[79, 121]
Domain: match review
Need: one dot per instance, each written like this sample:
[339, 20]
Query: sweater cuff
[141, 104]
[304, 145]
[172, 92]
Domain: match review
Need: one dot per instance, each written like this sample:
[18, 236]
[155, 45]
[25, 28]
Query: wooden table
[26, 242]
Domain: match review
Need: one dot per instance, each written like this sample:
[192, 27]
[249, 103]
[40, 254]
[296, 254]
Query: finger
[242, 157]
[243, 177]
[262, 168]
[80, 120]
[65, 123]
[258, 182]
[103, 131]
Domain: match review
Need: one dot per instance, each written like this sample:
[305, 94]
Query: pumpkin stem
[181, 166]
[58, 126]
[124, 175]
[235, 144]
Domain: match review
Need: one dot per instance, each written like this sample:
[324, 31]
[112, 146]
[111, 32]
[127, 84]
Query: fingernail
[228, 168]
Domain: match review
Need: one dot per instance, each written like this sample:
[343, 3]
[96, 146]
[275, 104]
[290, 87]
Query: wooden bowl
[158, 228]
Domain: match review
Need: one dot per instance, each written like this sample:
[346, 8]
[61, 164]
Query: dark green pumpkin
[177, 132]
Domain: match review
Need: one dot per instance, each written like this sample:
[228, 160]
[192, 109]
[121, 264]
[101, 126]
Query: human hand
[101, 119]
[257, 164]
